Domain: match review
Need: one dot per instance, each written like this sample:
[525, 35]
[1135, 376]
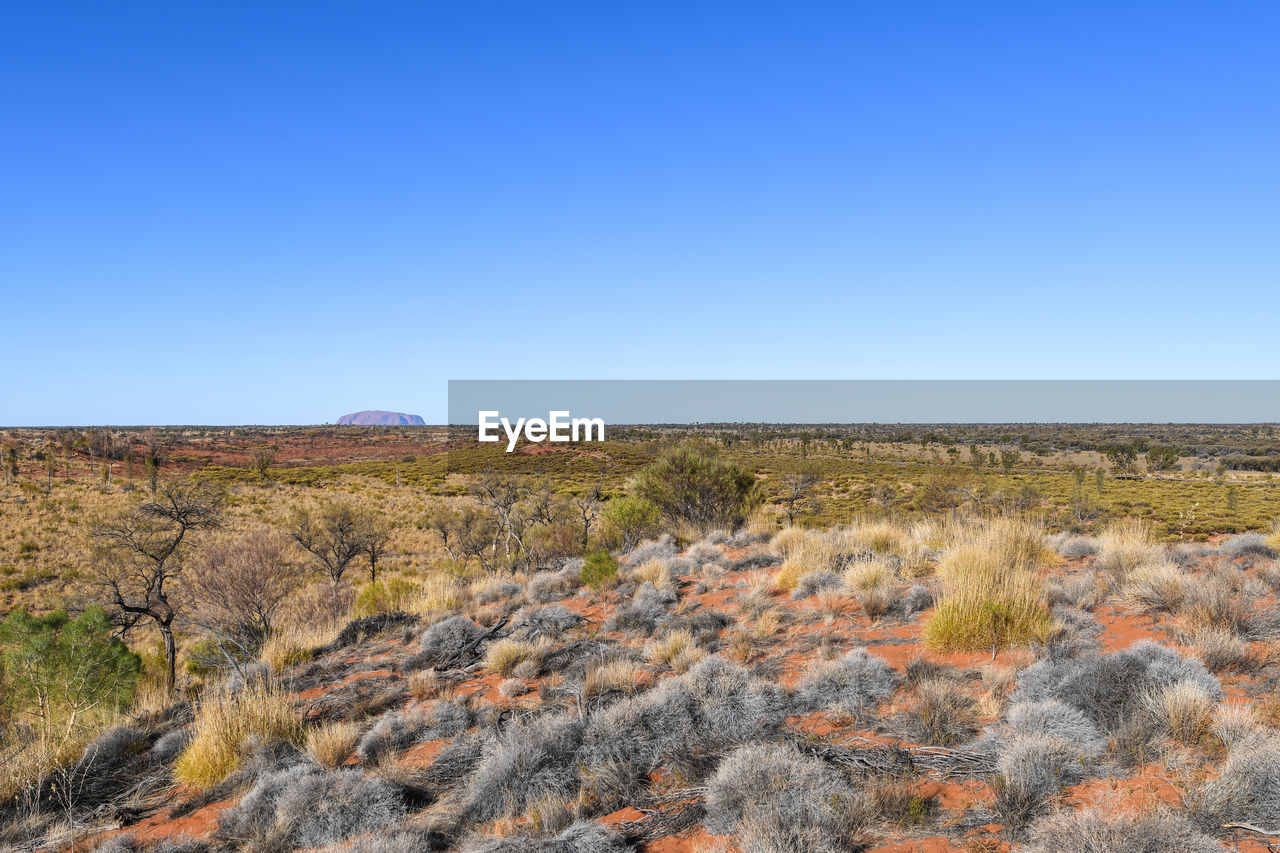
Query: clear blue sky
[277, 213]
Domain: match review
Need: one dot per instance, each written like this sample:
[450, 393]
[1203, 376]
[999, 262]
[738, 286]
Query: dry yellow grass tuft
[789, 540]
[225, 720]
[1128, 544]
[788, 575]
[657, 572]
[1184, 709]
[993, 596]
[764, 520]
[330, 744]
[439, 592]
[612, 676]
[1156, 585]
[874, 574]
[294, 643]
[503, 656]
[424, 684]
[670, 647]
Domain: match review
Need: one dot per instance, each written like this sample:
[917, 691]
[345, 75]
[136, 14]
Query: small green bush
[630, 520]
[56, 668]
[388, 597]
[693, 485]
[599, 570]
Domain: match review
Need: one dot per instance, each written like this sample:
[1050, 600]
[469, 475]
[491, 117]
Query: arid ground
[393, 645]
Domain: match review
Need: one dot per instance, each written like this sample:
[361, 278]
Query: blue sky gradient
[279, 213]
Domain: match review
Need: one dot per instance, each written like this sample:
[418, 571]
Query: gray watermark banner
[542, 403]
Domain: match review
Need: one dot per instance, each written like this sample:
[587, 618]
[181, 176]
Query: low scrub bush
[1033, 770]
[855, 683]
[1111, 689]
[549, 586]
[630, 519]
[1112, 831]
[1054, 719]
[1072, 545]
[445, 640]
[580, 837]
[812, 583]
[693, 485]
[548, 622]
[527, 762]
[648, 611]
[599, 570]
[775, 799]
[170, 745]
[496, 591]
[305, 806]
[686, 721]
[1248, 545]
[1247, 789]
[941, 715]
[662, 548]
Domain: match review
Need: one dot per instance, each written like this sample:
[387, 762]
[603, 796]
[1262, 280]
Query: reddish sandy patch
[693, 841]
[956, 796]
[159, 826]
[1122, 628]
[931, 844]
[1146, 789]
[422, 754]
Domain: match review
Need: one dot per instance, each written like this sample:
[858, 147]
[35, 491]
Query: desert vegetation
[727, 642]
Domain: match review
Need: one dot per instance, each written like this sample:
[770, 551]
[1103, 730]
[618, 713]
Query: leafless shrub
[1033, 770]
[855, 683]
[240, 585]
[776, 800]
[1103, 831]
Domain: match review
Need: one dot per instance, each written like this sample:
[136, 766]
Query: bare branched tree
[797, 487]
[334, 536]
[464, 533]
[139, 557]
[586, 505]
[261, 458]
[239, 585]
[501, 494]
[377, 538]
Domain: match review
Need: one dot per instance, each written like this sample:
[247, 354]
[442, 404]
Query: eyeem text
[557, 427]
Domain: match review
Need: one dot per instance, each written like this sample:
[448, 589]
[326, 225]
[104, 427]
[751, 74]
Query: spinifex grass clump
[225, 721]
[993, 596]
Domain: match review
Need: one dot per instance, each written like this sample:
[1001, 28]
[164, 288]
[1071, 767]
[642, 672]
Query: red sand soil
[805, 638]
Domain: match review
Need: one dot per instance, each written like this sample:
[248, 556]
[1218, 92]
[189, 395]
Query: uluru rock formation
[375, 417]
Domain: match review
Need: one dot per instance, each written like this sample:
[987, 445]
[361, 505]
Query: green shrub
[631, 519]
[388, 597]
[61, 672]
[599, 570]
[693, 485]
